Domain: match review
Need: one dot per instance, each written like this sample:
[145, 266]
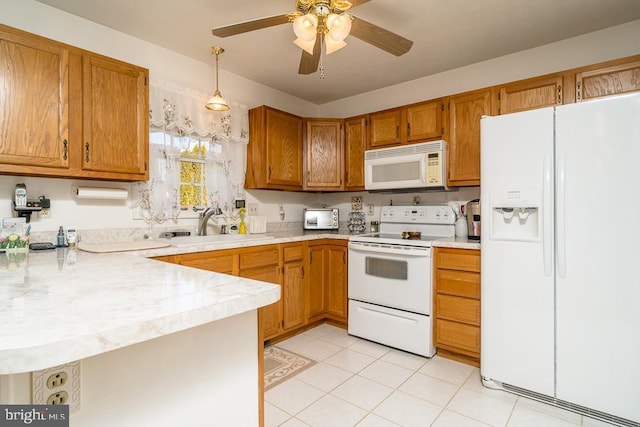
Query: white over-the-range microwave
[414, 166]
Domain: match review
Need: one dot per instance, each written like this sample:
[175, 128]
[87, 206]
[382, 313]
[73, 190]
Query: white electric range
[390, 286]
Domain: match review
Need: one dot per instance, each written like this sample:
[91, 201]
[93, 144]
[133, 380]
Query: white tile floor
[359, 383]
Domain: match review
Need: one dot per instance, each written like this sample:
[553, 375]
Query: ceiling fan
[318, 21]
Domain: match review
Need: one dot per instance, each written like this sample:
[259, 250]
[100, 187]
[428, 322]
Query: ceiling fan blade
[309, 63]
[379, 37]
[355, 3]
[243, 27]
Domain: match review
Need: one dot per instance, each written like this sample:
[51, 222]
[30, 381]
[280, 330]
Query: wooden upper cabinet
[323, 154]
[595, 82]
[424, 121]
[465, 111]
[387, 128]
[34, 101]
[274, 156]
[115, 117]
[67, 112]
[530, 94]
[408, 124]
[355, 142]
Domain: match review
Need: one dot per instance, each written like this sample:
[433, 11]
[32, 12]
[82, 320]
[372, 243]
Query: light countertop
[457, 242]
[65, 305]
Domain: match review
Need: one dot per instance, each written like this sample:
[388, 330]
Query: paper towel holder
[99, 193]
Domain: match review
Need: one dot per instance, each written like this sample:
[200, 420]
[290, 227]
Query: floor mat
[280, 364]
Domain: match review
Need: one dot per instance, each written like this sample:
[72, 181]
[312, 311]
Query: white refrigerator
[560, 272]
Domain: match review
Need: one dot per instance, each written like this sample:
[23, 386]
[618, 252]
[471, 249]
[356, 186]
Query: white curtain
[180, 112]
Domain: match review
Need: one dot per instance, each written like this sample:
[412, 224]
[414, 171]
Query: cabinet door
[283, 150]
[293, 294]
[115, 118]
[530, 94]
[323, 155]
[294, 287]
[34, 101]
[606, 81]
[386, 128]
[336, 285]
[270, 316]
[465, 112]
[424, 121]
[317, 277]
[355, 141]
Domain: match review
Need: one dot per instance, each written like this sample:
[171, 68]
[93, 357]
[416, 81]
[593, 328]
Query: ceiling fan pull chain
[321, 68]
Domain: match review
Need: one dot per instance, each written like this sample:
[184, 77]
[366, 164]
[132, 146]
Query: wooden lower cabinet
[328, 280]
[456, 325]
[294, 285]
[312, 276]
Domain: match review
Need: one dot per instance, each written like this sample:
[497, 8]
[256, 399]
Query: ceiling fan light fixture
[307, 46]
[331, 45]
[339, 26]
[217, 102]
[306, 27]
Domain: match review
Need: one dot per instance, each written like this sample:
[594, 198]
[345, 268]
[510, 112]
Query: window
[182, 164]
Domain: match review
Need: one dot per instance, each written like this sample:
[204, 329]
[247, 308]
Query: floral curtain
[179, 115]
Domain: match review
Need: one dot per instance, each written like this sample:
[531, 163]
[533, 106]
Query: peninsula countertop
[64, 305]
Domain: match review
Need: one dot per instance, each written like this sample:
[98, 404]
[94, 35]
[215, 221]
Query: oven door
[394, 276]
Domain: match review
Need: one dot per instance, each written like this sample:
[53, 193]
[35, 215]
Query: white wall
[611, 43]
[170, 66]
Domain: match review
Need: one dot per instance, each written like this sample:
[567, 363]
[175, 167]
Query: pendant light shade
[217, 102]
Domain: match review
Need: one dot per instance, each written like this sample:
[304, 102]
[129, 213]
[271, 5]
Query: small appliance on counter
[320, 219]
[473, 219]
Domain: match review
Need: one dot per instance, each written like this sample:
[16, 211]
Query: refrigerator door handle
[561, 218]
[547, 192]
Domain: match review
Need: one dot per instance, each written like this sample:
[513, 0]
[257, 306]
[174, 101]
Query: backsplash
[99, 221]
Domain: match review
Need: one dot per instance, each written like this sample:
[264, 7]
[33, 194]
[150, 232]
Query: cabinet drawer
[292, 253]
[259, 258]
[459, 309]
[458, 335]
[219, 264]
[460, 283]
[458, 259]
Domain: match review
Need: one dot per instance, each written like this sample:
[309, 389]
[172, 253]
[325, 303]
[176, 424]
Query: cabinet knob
[65, 149]
[86, 152]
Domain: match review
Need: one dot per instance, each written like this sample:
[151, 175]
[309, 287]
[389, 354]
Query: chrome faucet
[204, 218]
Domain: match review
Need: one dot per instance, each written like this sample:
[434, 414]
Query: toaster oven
[320, 219]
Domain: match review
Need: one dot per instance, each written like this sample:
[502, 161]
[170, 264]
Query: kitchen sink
[216, 238]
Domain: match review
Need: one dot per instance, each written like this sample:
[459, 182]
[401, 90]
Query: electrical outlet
[57, 380]
[59, 385]
[370, 210]
[253, 209]
[45, 213]
[59, 398]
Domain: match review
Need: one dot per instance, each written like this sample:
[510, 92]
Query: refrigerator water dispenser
[515, 215]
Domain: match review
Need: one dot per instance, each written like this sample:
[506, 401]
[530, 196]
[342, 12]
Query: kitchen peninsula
[159, 344]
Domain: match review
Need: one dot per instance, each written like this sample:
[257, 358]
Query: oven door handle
[390, 249]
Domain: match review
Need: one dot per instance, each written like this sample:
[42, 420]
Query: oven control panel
[432, 214]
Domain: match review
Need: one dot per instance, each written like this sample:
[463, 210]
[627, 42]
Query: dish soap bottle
[60, 240]
[243, 228]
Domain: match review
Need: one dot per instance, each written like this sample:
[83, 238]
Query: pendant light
[217, 102]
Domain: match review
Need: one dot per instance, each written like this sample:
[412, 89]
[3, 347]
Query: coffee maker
[473, 219]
